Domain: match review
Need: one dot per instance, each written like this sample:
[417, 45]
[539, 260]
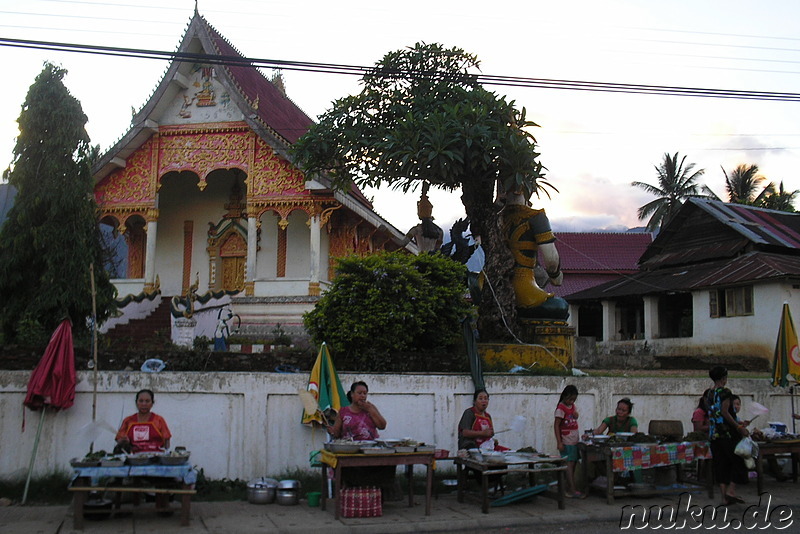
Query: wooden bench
[82, 493]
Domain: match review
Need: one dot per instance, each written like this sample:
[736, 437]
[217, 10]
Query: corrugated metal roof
[601, 251]
[748, 268]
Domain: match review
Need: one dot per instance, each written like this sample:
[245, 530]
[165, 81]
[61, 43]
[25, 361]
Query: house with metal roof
[711, 285]
[203, 199]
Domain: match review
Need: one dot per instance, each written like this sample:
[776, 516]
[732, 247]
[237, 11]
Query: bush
[391, 302]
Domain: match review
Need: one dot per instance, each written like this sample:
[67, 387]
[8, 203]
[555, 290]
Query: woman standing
[724, 432]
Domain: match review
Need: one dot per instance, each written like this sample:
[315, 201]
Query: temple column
[610, 320]
[651, 330]
[313, 282]
[150, 256]
[252, 250]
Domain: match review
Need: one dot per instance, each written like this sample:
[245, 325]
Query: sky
[593, 144]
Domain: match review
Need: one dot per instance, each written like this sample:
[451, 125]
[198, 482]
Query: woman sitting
[475, 427]
[621, 421]
[362, 419]
[143, 431]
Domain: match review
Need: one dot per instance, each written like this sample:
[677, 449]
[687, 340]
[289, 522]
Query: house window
[731, 302]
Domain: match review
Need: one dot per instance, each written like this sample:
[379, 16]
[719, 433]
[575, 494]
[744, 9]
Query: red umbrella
[52, 383]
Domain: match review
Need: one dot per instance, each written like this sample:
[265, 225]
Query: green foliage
[422, 116]
[390, 302]
[676, 182]
[52, 233]
[50, 489]
[280, 337]
[219, 489]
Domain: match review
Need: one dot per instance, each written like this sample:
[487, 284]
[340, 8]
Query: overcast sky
[593, 144]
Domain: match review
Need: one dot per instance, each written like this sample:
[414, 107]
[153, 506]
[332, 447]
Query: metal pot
[288, 497]
[289, 485]
[261, 490]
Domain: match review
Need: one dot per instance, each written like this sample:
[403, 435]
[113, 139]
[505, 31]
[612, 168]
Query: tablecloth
[185, 472]
[647, 456]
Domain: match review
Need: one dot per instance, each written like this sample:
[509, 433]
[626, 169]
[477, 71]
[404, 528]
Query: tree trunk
[497, 313]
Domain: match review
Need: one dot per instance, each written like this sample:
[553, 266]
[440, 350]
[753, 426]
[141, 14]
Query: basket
[441, 454]
[360, 502]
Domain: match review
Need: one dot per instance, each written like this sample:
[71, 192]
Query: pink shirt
[357, 426]
[569, 423]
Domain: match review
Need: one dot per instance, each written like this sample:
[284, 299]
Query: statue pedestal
[549, 344]
[183, 331]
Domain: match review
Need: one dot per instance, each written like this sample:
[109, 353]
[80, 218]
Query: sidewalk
[447, 515]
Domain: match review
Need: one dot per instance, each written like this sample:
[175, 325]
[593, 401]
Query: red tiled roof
[601, 251]
[574, 282]
[274, 108]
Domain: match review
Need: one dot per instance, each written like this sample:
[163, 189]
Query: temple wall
[242, 425]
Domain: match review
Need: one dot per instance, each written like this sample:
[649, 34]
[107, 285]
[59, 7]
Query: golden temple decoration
[130, 184]
[313, 289]
[326, 214]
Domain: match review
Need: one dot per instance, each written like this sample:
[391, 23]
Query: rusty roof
[749, 268]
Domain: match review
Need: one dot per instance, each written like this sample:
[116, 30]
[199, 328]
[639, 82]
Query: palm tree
[781, 199]
[676, 182]
[743, 183]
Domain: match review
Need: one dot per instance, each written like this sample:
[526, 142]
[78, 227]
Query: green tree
[743, 183]
[52, 234]
[781, 199]
[676, 183]
[390, 302]
[423, 117]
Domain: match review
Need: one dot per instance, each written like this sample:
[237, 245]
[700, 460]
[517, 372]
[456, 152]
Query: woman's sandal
[733, 499]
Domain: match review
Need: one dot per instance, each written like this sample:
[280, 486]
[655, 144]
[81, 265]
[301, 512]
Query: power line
[332, 68]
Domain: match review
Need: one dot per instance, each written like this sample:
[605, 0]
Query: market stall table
[777, 448]
[151, 478]
[529, 463]
[338, 461]
[620, 458]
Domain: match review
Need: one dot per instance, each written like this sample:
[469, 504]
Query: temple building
[202, 198]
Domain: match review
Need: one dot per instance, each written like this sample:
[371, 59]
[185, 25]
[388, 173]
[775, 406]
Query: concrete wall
[242, 425]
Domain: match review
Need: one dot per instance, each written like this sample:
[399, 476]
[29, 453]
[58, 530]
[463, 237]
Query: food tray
[404, 448]
[343, 448]
[143, 459]
[173, 460]
[377, 450]
[112, 463]
[426, 448]
[76, 462]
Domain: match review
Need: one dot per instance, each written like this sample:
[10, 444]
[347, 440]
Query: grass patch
[45, 490]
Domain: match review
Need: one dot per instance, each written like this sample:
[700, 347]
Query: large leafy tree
[423, 117]
[52, 234]
[676, 183]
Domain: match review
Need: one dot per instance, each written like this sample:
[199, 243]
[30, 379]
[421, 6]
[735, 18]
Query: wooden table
[340, 461]
[774, 448]
[158, 479]
[619, 459]
[514, 463]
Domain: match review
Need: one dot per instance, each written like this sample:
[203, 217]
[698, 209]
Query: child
[566, 430]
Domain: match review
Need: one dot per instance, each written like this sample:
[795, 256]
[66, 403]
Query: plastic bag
[744, 448]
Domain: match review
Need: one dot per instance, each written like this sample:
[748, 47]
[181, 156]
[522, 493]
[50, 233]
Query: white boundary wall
[243, 425]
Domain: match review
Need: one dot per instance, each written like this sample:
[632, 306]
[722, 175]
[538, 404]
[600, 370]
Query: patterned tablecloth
[184, 473]
[646, 456]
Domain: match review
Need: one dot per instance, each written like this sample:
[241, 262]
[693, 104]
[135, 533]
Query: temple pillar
[651, 330]
[610, 321]
[252, 250]
[150, 256]
[313, 280]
